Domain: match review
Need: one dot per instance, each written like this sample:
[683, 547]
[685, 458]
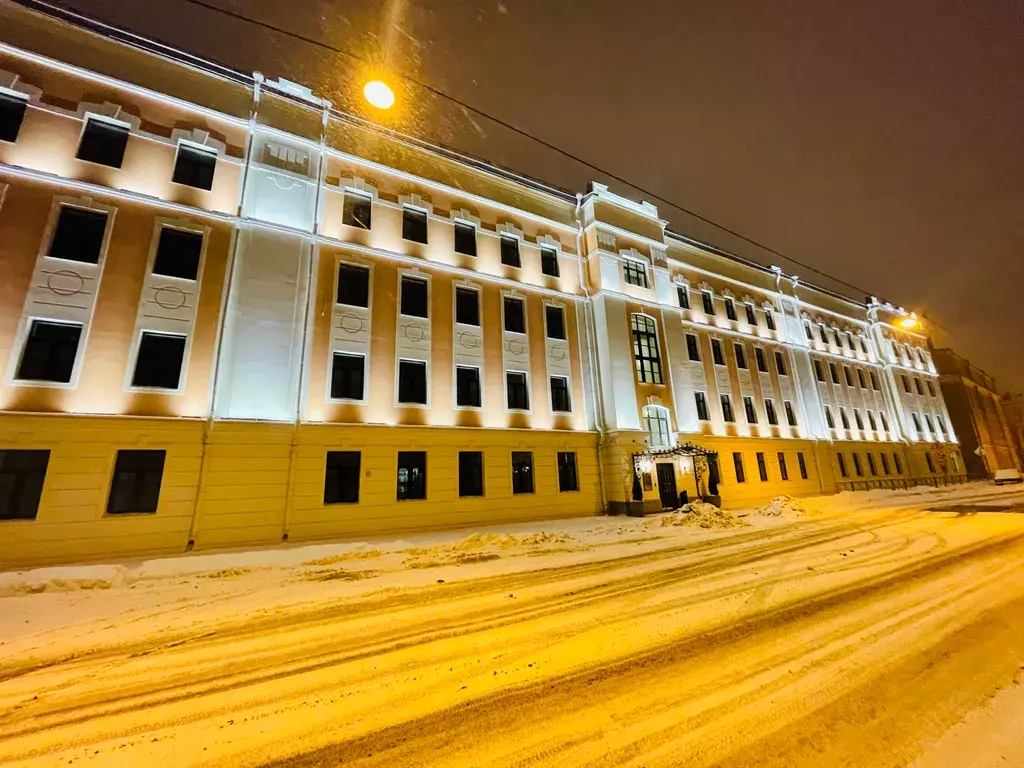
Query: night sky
[882, 142]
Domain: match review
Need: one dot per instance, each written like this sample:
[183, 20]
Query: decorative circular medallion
[65, 282]
[351, 323]
[516, 347]
[169, 297]
[413, 332]
[468, 340]
[557, 353]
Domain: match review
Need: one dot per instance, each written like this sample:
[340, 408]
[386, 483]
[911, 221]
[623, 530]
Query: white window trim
[426, 363]
[455, 388]
[529, 394]
[86, 117]
[330, 377]
[663, 412]
[367, 264]
[568, 386]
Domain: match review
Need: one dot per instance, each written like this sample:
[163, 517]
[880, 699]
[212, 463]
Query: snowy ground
[864, 629]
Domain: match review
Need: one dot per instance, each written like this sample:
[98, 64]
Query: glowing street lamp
[379, 94]
[909, 323]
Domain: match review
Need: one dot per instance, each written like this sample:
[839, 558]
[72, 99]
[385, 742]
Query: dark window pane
[819, 371]
[412, 382]
[515, 315]
[762, 469]
[803, 465]
[748, 408]
[790, 414]
[79, 235]
[341, 477]
[467, 306]
[783, 470]
[414, 297]
[856, 465]
[560, 395]
[762, 363]
[471, 473]
[103, 143]
[159, 361]
[780, 364]
[709, 303]
[357, 211]
[646, 353]
[769, 319]
[556, 322]
[194, 167]
[412, 475]
[702, 406]
[136, 483]
[347, 372]
[50, 351]
[716, 352]
[751, 316]
[769, 409]
[414, 225]
[516, 390]
[177, 253]
[730, 308]
[12, 112]
[828, 418]
[353, 285]
[568, 478]
[465, 238]
[467, 387]
[549, 261]
[510, 251]
[727, 413]
[683, 294]
[737, 462]
[22, 474]
[635, 272]
[741, 357]
[522, 472]
[835, 372]
[692, 348]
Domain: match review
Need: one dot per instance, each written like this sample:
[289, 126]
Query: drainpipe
[595, 379]
[225, 298]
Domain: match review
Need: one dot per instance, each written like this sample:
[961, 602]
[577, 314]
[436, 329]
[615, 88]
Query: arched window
[645, 350]
[657, 426]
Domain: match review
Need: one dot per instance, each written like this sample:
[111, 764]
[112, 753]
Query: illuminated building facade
[233, 316]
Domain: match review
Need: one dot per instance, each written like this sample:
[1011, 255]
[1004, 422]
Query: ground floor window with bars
[645, 350]
[657, 426]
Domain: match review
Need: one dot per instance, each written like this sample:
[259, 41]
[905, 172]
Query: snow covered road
[862, 634]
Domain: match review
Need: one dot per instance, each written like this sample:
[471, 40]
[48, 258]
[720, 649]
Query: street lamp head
[379, 94]
[909, 323]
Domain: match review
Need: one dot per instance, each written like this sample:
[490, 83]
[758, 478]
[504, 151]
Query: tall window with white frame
[549, 262]
[465, 238]
[701, 401]
[517, 392]
[357, 210]
[515, 314]
[510, 251]
[414, 225]
[730, 308]
[635, 272]
[560, 401]
[657, 426]
[646, 352]
[709, 303]
[414, 301]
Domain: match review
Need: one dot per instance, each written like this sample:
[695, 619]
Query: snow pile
[479, 548]
[784, 506]
[62, 579]
[702, 514]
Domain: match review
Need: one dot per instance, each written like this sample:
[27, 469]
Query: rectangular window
[414, 297]
[762, 363]
[928, 423]
[727, 414]
[748, 409]
[751, 316]
[568, 478]
[702, 406]
[515, 315]
[780, 363]
[178, 253]
[22, 474]
[646, 353]
[885, 421]
[842, 466]
[692, 348]
[871, 421]
[803, 466]
[522, 472]
[465, 238]
[159, 360]
[741, 357]
[917, 421]
[828, 418]
[50, 352]
[822, 334]
[78, 235]
[516, 391]
[861, 379]
[716, 352]
[353, 285]
[871, 465]
[819, 371]
[412, 475]
[807, 331]
[844, 418]
[790, 413]
[898, 463]
[195, 167]
[762, 468]
[103, 143]
[467, 306]
[769, 408]
[769, 319]
[549, 262]
[555, 317]
[920, 389]
[931, 389]
[783, 469]
[737, 462]
[635, 272]
[856, 465]
[467, 387]
[341, 477]
[906, 384]
[834, 371]
[347, 373]
[885, 463]
[683, 295]
[859, 421]
[357, 210]
[471, 473]
[931, 464]
[941, 422]
[874, 381]
[730, 308]
[560, 395]
[135, 486]
[12, 112]
[709, 303]
[414, 225]
[849, 375]
[510, 251]
[412, 382]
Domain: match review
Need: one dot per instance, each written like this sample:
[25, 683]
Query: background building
[233, 316]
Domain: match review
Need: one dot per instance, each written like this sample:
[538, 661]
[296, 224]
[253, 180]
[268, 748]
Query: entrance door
[667, 486]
